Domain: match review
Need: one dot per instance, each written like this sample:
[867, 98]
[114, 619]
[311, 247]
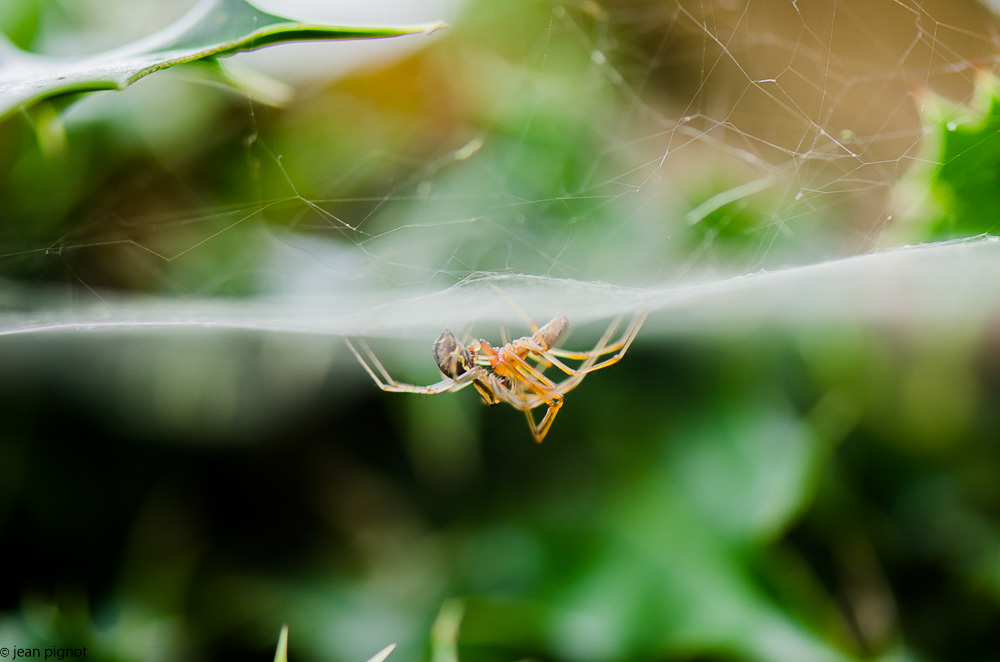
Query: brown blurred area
[830, 91]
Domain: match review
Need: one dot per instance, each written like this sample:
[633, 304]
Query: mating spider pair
[515, 372]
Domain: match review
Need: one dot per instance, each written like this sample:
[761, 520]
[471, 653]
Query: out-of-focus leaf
[281, 655]
[382, 654]
[213, 28]
[964, 150]
[444, 632]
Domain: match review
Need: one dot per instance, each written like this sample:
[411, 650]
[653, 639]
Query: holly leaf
[212, 29]
[954, 189]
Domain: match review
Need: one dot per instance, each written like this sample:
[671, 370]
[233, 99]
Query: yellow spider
[515, 372]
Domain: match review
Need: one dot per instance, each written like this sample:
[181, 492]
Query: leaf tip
[434, 27]
[281, 654]
[383, 654]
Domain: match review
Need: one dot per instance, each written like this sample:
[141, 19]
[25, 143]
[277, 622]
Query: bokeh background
[768, 492]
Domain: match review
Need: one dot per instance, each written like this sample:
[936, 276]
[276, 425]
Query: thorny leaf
[213, 28]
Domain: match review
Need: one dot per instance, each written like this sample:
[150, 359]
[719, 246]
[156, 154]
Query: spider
[514, 372]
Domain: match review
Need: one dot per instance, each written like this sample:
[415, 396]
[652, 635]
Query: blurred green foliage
[965, 164]
[772, 495]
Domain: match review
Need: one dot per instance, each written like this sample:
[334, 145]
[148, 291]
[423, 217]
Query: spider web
[590, 158]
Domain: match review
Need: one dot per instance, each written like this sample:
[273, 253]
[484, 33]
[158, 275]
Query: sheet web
[639, 144]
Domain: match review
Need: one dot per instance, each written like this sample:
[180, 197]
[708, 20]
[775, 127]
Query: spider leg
[619, 347]
[541, 389]
[589, 359]
[527, 403]
[385, 382]
[541, 428]
[543, 392]
[548, 356]
[532, 379]
[601, 348]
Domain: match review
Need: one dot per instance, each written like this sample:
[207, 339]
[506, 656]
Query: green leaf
[964, 150]
[281, 654]
[213, 28]
[382, 654]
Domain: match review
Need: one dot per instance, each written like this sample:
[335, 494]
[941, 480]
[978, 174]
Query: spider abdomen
[549, 335]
